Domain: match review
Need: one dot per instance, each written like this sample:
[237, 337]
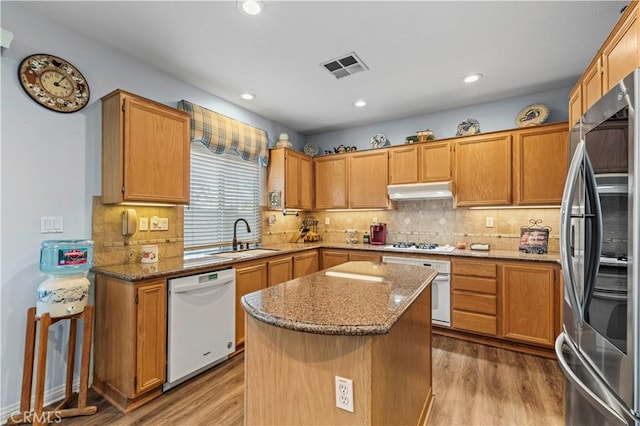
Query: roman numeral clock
[53, 83]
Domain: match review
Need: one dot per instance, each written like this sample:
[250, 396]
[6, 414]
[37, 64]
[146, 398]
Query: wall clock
[53, 83]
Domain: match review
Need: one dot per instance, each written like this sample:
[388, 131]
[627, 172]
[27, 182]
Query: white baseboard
[50, 396]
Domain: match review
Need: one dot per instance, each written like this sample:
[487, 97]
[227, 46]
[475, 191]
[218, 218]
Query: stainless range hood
[420, 191]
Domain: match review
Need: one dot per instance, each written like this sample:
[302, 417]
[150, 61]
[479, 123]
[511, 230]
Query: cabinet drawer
[479, 285]
[470, 321]
[470, 302]
[478, 269]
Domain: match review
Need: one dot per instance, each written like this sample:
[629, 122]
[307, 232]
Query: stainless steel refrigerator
[598, 349]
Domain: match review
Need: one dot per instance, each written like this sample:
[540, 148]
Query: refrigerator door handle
[567, 236]
[593, 236]
[575, 380]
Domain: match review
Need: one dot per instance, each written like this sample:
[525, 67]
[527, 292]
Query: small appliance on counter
[378, 233]
[66, 291]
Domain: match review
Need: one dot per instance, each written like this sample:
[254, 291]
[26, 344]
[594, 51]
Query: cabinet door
[249, 278]
[332, 258]
[435, 162]
[592, 84]
[359, 255]
[483, 170]
[280, 270]
[292, 181]
[156, 152]
[305, 264]
[528, 300]
[575, 105]
[306, 183]
[541, 157]
[403, 164]
[621, 55]
[151, 338]
[331, 182]
[368, 179]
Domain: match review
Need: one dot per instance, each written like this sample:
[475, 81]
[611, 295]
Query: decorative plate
[532, 115]
[310, 149]
[378, 140]
[470, 126]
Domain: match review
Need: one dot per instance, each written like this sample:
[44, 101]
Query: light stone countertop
[176, 266]
[352, 303]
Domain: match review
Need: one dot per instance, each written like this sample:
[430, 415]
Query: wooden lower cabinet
[363, 255]
[130, 340]
[305, 263]
[250, 277]
[529, 295]
[280, 270]
[474, 285]
[334, 257]
[513, 304]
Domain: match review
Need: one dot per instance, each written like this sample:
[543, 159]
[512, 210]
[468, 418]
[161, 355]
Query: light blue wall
[51, 166]
[497, 115]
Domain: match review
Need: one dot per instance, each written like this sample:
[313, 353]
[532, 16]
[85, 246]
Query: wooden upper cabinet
[592, 85]
[541, 156]
[368, 178]
[435, 161]
[331, 174]
[482, 170]
[575, 105]
[618, 56]
[145, 151]
[403, 164]
[621, 54]
[291, 174]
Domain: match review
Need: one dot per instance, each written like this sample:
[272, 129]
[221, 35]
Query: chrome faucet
[234, 244]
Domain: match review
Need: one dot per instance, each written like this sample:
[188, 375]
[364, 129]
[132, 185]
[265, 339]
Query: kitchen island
[363, 321]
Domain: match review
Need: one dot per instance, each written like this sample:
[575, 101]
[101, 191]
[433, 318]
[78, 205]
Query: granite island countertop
[177, 266]
[354, 298]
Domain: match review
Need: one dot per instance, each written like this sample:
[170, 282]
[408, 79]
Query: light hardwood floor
[473, 385]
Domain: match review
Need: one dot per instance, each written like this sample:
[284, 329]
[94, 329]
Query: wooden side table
[38, 416]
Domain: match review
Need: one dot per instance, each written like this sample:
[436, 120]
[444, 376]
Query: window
[224, 187]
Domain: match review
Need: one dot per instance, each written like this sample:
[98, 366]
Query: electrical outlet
[327, 221]
[163, 223]
[489, 221]
[144, 224]
[344, 394]
[374, 220]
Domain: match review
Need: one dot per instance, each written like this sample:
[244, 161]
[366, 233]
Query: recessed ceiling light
[360, 103]
[472, 77]
[248, 96]
[251, 7]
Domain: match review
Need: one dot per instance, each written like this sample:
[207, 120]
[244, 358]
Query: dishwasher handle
[183, 288]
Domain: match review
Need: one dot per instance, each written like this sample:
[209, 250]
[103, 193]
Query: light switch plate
[51, 224]
[144, 224]
[163, 224]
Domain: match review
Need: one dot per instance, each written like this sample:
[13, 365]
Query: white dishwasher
[201, 323]
[440, 286]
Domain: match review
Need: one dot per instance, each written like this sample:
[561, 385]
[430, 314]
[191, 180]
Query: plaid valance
[220, 133]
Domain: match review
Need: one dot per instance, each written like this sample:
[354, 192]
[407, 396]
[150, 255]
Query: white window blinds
[224, 187]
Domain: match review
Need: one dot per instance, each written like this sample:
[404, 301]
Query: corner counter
[363, 321]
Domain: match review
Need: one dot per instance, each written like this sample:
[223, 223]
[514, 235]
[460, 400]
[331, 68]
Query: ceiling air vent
[345, 65]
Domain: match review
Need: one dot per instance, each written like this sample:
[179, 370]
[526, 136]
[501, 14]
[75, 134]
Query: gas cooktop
[421, 247]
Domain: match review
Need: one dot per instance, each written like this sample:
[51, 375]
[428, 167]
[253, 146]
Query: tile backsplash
[112, 248]
[422, 221]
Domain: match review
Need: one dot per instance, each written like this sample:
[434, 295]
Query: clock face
[53, 83]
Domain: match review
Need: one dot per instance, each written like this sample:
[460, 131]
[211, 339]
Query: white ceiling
[417, 51]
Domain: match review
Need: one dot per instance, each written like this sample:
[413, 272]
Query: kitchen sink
[243, 253]
[222, 256]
